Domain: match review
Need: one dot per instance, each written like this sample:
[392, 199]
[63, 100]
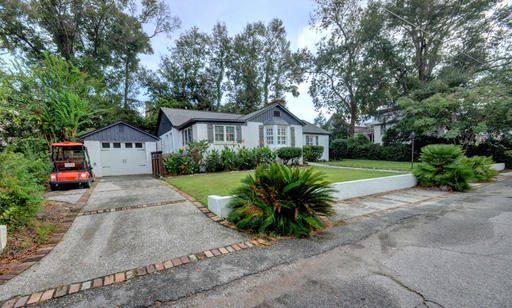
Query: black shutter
[210, 133]
[262, 140]
[239, 134]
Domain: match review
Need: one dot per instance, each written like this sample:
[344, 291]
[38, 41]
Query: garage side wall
[94, 150]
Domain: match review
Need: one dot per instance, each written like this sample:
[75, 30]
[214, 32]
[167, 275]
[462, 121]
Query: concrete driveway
[101, 244]
[454, 251]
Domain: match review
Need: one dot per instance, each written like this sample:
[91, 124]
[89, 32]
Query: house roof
[310, 128]
[181, 118]
[99, 130]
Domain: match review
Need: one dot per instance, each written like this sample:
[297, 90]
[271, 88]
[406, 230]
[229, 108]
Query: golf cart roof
[66, 144]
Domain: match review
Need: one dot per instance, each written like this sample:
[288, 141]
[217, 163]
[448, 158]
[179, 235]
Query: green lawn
[223, 183]
[372, 164]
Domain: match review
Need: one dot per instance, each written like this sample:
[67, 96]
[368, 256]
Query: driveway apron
[106, 243]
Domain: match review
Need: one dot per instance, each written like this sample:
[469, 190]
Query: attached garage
[120, 149]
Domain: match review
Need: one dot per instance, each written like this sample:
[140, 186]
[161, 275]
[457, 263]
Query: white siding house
[273, 126]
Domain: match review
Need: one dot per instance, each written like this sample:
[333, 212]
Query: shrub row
[361, 148]
[21, 190]
[446, 166]
[196, 157]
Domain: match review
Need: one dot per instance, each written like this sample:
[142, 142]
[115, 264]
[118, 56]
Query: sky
[295, 15]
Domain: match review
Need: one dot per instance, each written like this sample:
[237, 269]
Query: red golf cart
[71, 165]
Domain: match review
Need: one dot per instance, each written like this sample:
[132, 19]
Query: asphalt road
[453, 252]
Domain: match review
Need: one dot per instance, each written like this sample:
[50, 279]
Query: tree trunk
[126, 77]
[353, 117]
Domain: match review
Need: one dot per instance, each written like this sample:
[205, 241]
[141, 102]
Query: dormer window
[277, 113]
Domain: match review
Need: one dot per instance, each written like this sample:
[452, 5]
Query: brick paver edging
[125, 208]
[204, 209]
[45, 295]
[57, 236]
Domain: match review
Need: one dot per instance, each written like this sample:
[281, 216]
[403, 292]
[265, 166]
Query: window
[117, 145]
[270, 135]
[277, 113]
[309, 140]
[230, 133]
[187, 135]
[219, 133]
[138, 145]
[128, 145]
[281, 134]
[105, 145]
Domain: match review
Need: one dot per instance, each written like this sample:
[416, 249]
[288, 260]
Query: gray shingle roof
[313, 129]
[179, 117]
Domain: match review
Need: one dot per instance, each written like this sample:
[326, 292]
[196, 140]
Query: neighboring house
[385, 119]
[120, 149]
[273, 126]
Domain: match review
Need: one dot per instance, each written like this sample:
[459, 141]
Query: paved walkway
[101, 244]
[364, 206]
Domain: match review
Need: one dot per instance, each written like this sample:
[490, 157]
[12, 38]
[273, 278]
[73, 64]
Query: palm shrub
[481, 166]
[213, 161]
[246, 158]
[283, 200]
[229, 159]
[443, 165]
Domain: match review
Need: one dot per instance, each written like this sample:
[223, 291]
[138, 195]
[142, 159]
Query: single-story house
[273, 126]
[120, 149]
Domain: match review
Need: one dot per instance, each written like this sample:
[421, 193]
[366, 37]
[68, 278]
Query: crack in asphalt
[291, 262]
[397, 281]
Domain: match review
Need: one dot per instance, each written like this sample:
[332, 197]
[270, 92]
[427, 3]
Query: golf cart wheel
[53, 187]
[87, 184]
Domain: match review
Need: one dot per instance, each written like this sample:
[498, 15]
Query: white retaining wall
[498, 166]
[3, 237]
[359, 188]
[343, 190]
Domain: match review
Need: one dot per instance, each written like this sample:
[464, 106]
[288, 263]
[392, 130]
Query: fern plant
[443, 165]
[283, 200]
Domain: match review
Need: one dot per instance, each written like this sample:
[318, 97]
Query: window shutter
[292, 137]
[316, 140]
[239, 134]
[262, 140]
[210, 133]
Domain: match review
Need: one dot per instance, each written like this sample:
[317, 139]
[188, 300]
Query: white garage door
[122, 158]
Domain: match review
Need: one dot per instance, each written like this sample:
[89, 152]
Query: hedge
[312, 152]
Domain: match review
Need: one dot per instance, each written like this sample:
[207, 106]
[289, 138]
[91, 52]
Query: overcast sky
[236, 14]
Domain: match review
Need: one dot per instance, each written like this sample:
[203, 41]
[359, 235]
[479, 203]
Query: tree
[185, 70]
[442, 32]
[50, 100]
[102, 37]
[320, 120]
[347, 78]
[463, 115]
[262, 67]
[220, 48]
